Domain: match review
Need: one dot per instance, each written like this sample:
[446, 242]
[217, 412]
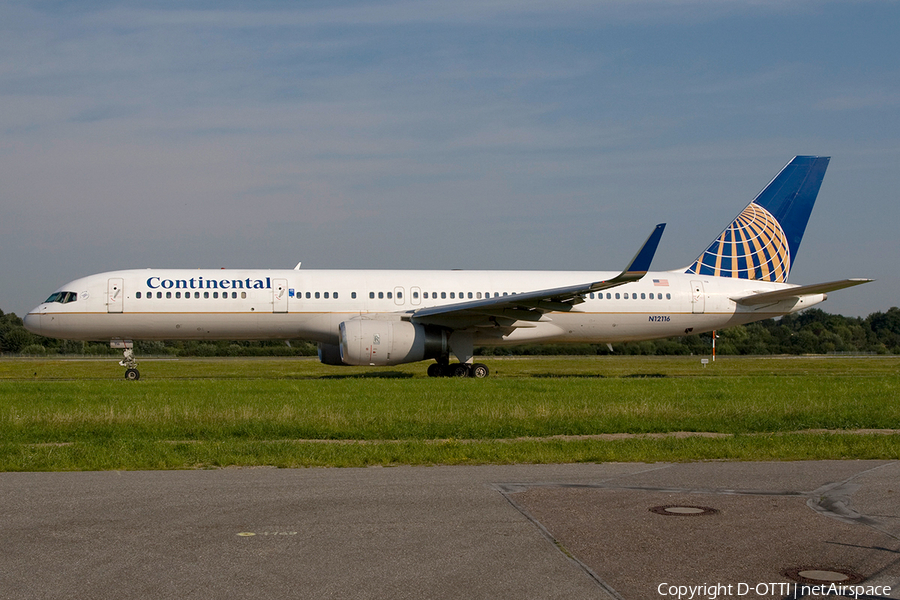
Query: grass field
[70, 414]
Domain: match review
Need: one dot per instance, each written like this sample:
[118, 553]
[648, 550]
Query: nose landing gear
[128, 361]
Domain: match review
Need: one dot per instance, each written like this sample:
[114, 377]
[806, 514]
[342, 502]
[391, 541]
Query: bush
[33, 350]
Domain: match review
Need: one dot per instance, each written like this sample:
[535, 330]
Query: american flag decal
[661, 282]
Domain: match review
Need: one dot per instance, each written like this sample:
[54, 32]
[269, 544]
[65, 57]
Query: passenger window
[390, 295]
[399, 294]
[206, 294]
[651, 295]
[668, 296]
[317, 295]
[326, 295]
[159, 294]
[137, 295]
[353, 295]
[168, 295]
[371, 295]
[334, 295]
[470, 295]
[243, 295]
[643, 296]
[478, 295]
[380, 295]
[617, 295]
[592, 295]
[415, 294]
[215, 294]
[452, 295]
[444, 295]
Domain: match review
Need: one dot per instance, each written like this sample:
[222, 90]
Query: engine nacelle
[330, 354]
[381, 343]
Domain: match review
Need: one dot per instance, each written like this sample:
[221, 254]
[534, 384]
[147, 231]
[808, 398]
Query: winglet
[638, 266]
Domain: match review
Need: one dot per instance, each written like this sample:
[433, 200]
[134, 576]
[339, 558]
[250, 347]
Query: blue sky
[437, 135]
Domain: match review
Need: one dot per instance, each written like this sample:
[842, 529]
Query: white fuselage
[168, 304]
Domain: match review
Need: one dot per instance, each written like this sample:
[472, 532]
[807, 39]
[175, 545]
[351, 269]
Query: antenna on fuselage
[297, 268]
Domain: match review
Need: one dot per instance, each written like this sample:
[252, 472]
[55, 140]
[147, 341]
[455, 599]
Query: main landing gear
[128, 361]
[476, 370]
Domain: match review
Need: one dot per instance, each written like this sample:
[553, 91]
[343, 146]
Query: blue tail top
[763, 240]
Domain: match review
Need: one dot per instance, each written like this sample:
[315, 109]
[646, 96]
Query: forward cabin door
[279, 296]
[115, 295]
[698, 298]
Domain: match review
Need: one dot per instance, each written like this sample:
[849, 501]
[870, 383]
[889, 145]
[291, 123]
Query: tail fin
[763, 240]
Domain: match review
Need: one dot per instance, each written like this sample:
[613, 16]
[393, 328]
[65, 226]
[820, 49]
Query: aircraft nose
[33, 321]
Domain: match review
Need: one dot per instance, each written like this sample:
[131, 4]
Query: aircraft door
[415, 295]
[698, 298]
[398, 296]
[115, 295]
[279, 296]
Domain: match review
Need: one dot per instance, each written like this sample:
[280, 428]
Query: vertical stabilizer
[763, 240]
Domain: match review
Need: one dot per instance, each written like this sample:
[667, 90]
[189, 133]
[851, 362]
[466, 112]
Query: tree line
[812, 331]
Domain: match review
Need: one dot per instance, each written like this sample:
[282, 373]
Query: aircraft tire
[479, 371]
[132, 374]
[435, 370]
[459, 370]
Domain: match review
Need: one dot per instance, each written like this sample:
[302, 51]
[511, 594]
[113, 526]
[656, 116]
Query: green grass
[80, 414]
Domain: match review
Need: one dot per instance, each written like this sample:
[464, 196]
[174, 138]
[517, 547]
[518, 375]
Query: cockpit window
[62, 297]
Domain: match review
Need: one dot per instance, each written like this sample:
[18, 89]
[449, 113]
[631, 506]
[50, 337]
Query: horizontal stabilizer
[797, 291]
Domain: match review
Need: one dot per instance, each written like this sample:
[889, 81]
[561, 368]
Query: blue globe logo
[753, 247]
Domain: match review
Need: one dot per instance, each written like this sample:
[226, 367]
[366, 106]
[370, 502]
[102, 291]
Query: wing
[505, 311]
[797, 291]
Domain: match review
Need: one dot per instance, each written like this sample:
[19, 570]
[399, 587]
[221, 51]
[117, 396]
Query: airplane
[391, 317]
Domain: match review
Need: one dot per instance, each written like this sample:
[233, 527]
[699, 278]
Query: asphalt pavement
[622, 531]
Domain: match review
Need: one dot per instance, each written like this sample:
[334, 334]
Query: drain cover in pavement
[814, 575]
[677, 510]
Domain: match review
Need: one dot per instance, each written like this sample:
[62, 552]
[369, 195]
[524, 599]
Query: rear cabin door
[115, 296]
[698, 298]
[279, 296]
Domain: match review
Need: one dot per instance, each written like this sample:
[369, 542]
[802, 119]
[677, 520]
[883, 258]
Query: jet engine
[383, 343]
[330, 354]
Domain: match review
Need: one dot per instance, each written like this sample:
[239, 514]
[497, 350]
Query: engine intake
[330, 354]
[384, 343]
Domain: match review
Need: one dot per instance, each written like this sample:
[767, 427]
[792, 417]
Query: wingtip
[641, 261]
